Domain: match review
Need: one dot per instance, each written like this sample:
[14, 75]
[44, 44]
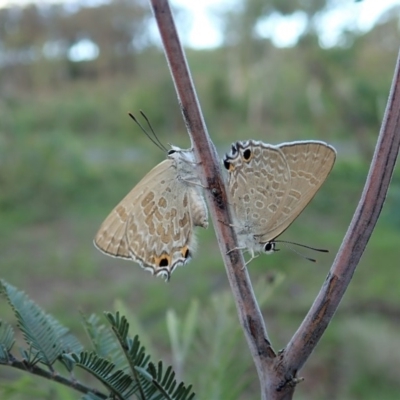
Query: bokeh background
[277, 71]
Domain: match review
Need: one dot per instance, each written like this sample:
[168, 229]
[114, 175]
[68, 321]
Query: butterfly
[154, 224]
[269, 186]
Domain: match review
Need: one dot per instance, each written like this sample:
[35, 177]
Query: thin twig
[54, 376]
[211, 176]
[357, 236]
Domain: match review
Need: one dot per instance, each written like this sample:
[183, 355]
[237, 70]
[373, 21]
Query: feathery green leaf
[6, 341]
[36, 326]
[119, 383]
[104, 342]
[134, 352]
[163, 385]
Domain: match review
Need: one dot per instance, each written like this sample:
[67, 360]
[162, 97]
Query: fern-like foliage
[141, 379]
[134, 352]
[164, 385]
[46, 337]
[119, 362]
[104, 342]
[117, 382]
[6, 341]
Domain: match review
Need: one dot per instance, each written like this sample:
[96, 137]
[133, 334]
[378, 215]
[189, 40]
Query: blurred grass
[68, 157]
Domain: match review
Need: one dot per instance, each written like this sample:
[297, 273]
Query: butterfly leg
[235, 248]
[253, 256]
[192, 162]
[195, 183]
[232, 226]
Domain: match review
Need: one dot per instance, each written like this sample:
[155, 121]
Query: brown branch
[357, 236]
[373, 306]
[211, 176]
[277, 374]
[53, 376]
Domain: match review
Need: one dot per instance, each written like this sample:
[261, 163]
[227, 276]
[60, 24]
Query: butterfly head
[269, 247]
[178, 154]
[174, 149]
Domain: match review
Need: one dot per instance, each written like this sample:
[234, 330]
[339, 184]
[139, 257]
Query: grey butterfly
[153, 225]
[269, 186]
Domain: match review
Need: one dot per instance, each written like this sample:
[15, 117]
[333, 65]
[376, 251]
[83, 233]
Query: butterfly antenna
[152, 130]
[302, 245]
[287, 243]
[147, 133]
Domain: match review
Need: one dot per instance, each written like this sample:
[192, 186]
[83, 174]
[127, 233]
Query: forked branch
[277, 373]
[357, 236]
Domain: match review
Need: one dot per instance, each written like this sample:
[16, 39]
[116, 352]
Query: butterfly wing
[153, 224]
[111, 238]
[258, 180]
[309, 164]
[168, 240]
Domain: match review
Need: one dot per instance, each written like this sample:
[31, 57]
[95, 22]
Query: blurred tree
[325, 88]
[43, 35]
[248, 83]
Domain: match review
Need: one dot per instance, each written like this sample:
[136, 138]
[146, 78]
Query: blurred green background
[69, 153]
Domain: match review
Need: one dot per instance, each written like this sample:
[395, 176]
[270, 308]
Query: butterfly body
[153, 225]
[270, 185]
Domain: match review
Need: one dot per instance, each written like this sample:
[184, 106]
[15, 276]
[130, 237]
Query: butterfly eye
[269, 247]
[171, 151]
[247, 155]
